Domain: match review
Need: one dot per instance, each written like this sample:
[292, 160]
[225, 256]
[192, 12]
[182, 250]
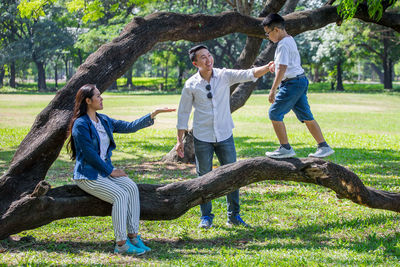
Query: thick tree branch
[167, 202]
[389, 19]
[272, 6]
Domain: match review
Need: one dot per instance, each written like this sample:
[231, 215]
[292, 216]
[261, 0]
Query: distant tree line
[51, 47]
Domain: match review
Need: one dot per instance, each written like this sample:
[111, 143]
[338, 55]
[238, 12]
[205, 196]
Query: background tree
[333, 54]
[36, 40]
[379, 45]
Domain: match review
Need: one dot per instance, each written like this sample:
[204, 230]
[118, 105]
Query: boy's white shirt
[287, 54]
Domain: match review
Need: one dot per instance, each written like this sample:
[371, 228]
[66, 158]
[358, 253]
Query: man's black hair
[193, 50]
[273, 20]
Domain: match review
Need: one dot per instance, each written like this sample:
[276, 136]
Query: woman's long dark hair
[80, 109]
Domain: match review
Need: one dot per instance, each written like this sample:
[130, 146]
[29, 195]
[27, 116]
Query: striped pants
[123, 194]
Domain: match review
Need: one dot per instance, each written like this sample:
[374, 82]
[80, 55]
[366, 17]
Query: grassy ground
[293, 223]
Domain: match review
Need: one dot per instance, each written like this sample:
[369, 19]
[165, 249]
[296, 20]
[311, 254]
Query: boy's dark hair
[193, 50]
[273, 20]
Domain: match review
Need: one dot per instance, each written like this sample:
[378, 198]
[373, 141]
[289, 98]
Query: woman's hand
[118, 173]
[161, 110]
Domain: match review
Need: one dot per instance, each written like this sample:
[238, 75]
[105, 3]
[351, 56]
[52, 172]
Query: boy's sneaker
[237, 221]
[322, 152]
[128, 248]
[206, 222]
[137, 242]
[281, 153]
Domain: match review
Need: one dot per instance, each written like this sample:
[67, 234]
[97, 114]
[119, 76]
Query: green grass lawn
[293, 223]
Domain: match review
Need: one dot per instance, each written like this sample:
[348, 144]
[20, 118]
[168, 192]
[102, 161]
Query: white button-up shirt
[212, 120]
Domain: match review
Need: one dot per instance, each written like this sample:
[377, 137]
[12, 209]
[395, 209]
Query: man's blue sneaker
[206, 222]
[137, 242]
[236, 221]
[128, 248]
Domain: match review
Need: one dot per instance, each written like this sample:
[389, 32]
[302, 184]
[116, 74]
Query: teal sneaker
[128, 248]
[137, 242]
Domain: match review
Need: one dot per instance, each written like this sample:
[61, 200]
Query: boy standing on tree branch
[292, 95]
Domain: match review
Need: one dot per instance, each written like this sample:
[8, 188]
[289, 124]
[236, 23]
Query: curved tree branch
[389, 19]
[167, 202]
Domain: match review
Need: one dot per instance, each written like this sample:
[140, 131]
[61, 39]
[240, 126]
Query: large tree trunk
[67, 75]
[11, 69]
[339, 76]
[387, 71]
[2, 73]
[181, 70]
[128, 75]
[41, 146]
[56, 75]
[377, 71]
[172, 156]
[41, 76]
[167, 202]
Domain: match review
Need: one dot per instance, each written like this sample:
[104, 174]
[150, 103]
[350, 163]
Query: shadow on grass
[310, 237]
[305, 237]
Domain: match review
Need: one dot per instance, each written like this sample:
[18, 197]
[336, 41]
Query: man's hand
[180, 149]
[118, 173]
[271, 96]
[271, 66]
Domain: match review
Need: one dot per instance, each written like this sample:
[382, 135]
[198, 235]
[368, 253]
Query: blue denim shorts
[292, 95]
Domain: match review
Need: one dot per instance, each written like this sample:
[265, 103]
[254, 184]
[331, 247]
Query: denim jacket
[87, 143]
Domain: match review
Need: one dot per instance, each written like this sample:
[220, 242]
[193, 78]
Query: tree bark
[41, 76]
[339, 76]
[41, 146]
[188, 147]
[56, 75]
[289, 6]
[2, 73]
[12, 82]
[67, 75]
[181, 69]
[128, 76]
[168, 202]
[242, 93]
[387, 73]
[377, 71]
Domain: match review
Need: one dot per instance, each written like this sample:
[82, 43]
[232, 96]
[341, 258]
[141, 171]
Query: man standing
[208, 91]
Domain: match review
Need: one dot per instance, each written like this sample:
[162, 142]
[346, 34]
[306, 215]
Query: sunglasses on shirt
[209, 95]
